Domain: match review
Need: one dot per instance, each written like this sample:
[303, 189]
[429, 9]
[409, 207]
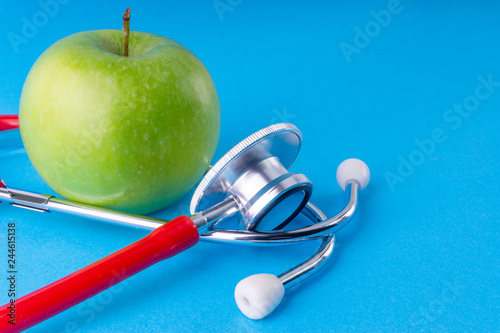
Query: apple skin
[130, 133]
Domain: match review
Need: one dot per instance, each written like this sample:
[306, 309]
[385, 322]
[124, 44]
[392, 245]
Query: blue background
[422, 254]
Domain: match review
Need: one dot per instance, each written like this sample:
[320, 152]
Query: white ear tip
[258, 295]
[353, 170]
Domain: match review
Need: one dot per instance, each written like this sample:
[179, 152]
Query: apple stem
[126, 31]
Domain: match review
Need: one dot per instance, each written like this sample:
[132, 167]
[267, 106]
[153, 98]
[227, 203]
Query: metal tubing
[46, 203]
[312, 265]
[105, 215]
[315, 231]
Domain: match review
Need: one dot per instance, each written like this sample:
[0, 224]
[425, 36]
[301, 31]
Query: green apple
[130, 133]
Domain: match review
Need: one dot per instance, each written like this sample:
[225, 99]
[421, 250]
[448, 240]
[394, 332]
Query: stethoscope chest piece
[255, 174]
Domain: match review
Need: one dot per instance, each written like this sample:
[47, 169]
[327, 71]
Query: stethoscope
[251, 183]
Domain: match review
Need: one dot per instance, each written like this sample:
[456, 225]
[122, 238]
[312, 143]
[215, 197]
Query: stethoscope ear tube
[258, 295]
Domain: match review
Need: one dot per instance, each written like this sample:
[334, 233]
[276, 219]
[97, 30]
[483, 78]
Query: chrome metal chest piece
[255, 173]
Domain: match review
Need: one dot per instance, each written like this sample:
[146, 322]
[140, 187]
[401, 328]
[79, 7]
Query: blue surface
[423, 252]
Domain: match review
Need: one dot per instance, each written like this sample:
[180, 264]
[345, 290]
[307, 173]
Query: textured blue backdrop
[411, 87]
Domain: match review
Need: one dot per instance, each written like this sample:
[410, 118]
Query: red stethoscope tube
[8, 122]
[162, 243]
